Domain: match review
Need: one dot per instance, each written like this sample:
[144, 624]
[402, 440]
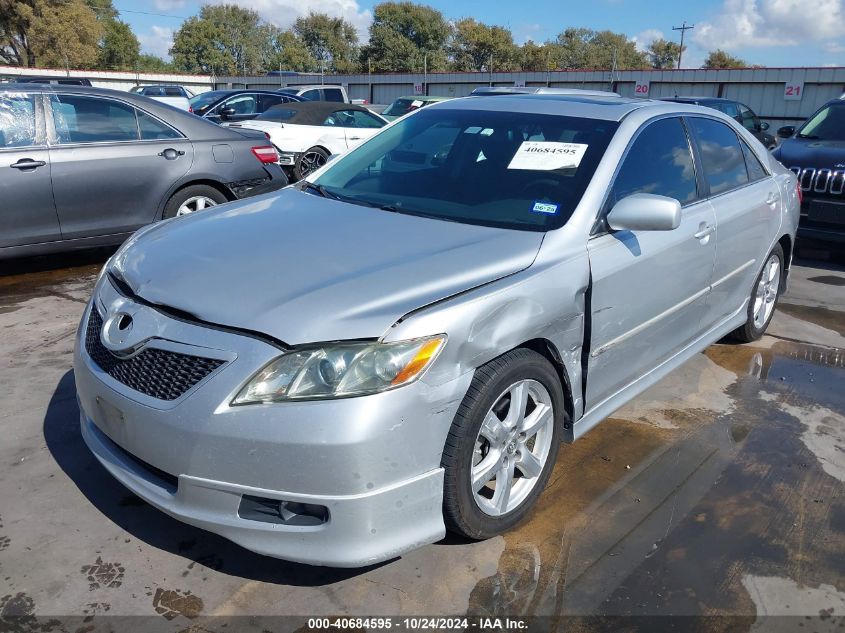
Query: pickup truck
[177, 96]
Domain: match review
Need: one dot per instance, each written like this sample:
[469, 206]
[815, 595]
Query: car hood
[301, 268]
[798, 152]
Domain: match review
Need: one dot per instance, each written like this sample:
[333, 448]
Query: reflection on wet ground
[654, 521]
[825, 317]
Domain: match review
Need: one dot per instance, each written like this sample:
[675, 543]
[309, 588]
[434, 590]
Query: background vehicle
[306, 134]
[816, 153]
[237, 105]
[736, 110]
[319, 92]
[177, 96]
[432, 335]
[403, 105]
[55, 81]
[88, 166]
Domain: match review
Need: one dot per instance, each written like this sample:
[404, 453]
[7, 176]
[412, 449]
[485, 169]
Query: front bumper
[373, 462]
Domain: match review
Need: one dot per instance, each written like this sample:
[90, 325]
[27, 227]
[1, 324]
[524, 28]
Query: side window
[721, 157]
[17, 120]
[358, 119]
[242, 104]
[333, 94]
[81, 119]
[173, 91]
[730, 109]
[659, 162]
[748, 118]
[756, 171]
[311, 95]
[152, 129]
[268, 101]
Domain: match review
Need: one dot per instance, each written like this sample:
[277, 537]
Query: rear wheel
[502, 445]
[192, 199]
[310, 160]
[764, 297]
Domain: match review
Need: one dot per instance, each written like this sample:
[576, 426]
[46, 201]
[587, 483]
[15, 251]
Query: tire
[470, 452]
[194, 195]
[767, 287]
[311, 159]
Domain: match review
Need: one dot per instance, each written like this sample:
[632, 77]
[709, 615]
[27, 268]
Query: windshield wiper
[321, 190]
[810, 136]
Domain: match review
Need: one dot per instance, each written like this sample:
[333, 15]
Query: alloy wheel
[193, 204]
[767, 292]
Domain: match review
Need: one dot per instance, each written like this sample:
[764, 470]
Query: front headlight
[341, 370]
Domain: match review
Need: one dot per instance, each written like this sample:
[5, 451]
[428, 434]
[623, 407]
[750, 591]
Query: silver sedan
[400, 345]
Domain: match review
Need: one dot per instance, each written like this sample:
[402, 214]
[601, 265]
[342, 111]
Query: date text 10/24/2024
[419, 623]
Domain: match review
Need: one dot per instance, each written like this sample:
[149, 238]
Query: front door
[649, 288]
[136, 159]
[27, 212]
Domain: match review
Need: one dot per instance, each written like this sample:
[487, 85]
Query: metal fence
[781, 96]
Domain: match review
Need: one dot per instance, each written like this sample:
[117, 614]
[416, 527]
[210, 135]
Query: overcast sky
[767, 32]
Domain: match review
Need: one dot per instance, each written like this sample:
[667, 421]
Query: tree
[61, 33]
[664, 53]
[721, 59]
[152, 64]
[535, 57]
[405, 37]
[119, 48]
[587, 49]
[333, 42]
[478, 46]
[223, 39]
[289, 52]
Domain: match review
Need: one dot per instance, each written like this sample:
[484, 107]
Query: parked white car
[306, 134]
[177, 96]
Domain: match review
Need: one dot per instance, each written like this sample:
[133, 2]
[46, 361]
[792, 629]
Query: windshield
[403, 106]
[205, 99]
[503, 169]
[828, 124]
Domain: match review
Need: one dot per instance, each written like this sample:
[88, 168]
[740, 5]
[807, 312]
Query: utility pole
[425, 74]
[683, 29]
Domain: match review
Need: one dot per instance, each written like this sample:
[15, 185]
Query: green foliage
[332, 42]
[289, 52]
[223, 39]
[153, 64]
[664, 53]
[588, 49]
[59, 33]
[721, 59]
[535, 57]
[119, 48]
[478, 46]
[404, 37]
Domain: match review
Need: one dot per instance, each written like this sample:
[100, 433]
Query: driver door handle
[772, 199]
[27, 163]
[171, 154]
[704, 231]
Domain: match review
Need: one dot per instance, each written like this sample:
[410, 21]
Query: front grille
[155, 372]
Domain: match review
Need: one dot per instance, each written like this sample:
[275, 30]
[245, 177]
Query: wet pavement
[718, 492]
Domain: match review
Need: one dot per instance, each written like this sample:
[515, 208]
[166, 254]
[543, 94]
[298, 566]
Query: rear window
[277, 114]
[503, 169]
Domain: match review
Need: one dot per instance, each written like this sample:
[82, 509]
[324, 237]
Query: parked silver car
[348, 368]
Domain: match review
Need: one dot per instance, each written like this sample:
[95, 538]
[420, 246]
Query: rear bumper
[255, 187]
[822, 234]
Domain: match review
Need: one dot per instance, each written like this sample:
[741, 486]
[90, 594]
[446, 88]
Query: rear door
[649, 288]
[746, 201]
[27, 212]
[112, 164]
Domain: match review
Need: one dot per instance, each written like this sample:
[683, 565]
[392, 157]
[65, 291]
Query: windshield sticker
[547, 155]
[545, 207]
[416, 103]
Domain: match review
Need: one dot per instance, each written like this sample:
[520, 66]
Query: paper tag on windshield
[547, 155]
[416, 103]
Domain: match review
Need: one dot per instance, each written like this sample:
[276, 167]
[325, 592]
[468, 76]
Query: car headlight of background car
[339, 370]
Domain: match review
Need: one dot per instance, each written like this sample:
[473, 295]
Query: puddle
[29, 278]
[823, 317]
[642, 520]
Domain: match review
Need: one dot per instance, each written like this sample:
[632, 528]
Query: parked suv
[318, 92]
[237, 105]
[816, 153]
[736, 110]
[88, 166]
[177, 96]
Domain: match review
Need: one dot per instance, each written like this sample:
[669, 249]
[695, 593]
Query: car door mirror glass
[786, 131]
[645, 212]
[764, 126]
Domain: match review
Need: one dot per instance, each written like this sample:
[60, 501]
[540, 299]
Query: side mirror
[645, 212]
[786, 131]
[764, 125]
[227, 112]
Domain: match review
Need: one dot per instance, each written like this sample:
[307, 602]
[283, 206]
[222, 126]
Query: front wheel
[502, 445]
[310, 160]
[764, 297]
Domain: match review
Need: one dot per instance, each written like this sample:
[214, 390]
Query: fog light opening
[282, 512]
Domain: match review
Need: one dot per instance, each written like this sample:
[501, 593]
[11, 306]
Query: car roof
[547, 90]
[314, 112]
[689, 99]
[425, 98]
[311, 86]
